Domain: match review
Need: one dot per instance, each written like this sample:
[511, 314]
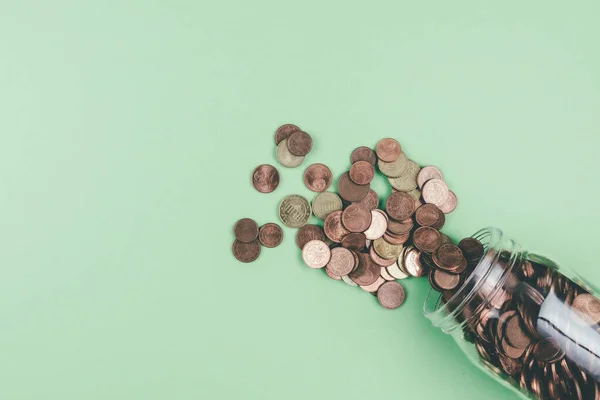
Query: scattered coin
[378, 225]
[370, 201]
[265, 178]
[325, 203]
[356, 219]
[286, 158]
[400, 206]
[363, 154]
[299, 143]
[318, 177]
[450, 203]
[430, 215]
[400, 227]
[334, 228]
[373, 287]
[362, 173]
[386, 249]
[406, 182]
[270, 235]
[348, 281]
[246, 230]
[246, 252]
[284, 132]
[435, 191]
[388, 150]
[349, 190]
[427, 239]
[294, 211]
[316, 254]
[427, 173]
[354, 241]
[394, 169]
[307, 233]
[391, 295]
[386, 275]
[341, 262]
[377, 259]
[329, 274]
[367, 271]
[395, 271]
[412, 262]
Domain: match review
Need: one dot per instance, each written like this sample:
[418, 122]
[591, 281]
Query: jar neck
[486, 284]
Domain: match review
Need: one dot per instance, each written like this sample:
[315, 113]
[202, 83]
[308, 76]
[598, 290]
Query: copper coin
[378, 225]
[246, 230]
[511, 351]
[427, 239]
[511, 366]
[299, 143]
[284, 132]
[435, 191]
[246, 252]
[377, 259]
[450, 203]
[548, 351]
[363, 153]
[472, 248]
[445, 280]
[427, 173]
[367, 271]
[446, 239]
[402, 227]
[349, 190]
[270, 235]
[341, 262]
[354, 241]
[356, 219]
[362, 173]
[307, 233]
[318, 177]
[386, 275]
[515, 334]
[430, 215]
[450, 256]
[329, 274]
[316, 254]
[400, 206]
[588, 306]
[370, 201]
[391, 295]
[373, 287]
[396, 239]
[334, 228]
[388, 150]
[265, 178]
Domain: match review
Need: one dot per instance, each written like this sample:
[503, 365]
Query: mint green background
[128, 133]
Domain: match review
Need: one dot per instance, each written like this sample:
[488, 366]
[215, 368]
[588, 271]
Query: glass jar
[530, 324]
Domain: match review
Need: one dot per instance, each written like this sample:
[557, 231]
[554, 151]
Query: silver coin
[435, 191]
[413, 263]
[325, 203]
[395, 271]
[408, 180]
[294, 211]
[415, 194]
[427, 173]
[286, 158]
[348, 281]
[386, 275]
[378, 225]
[394, 169]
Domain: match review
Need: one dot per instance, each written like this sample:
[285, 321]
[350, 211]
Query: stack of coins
[293, 145]
[249, 238]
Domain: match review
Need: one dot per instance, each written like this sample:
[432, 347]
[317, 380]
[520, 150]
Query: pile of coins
[249, 238]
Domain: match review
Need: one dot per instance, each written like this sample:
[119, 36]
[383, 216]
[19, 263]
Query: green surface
[128, 133]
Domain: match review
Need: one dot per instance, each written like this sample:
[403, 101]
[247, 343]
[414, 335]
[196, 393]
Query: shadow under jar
[530, 324]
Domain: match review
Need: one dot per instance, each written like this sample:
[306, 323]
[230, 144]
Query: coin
[318, 177]
[386, 249]
[333, 227]
[363, 153]
[329, 274]
[427, 173]
[378, 225]
[412, 262]
[472, 248]
[348, 281]
[270, 235]
[349, 190]
[396, 239]
[367, 271]
[356, 219]
[395, 271]
[391, 295]
[246, 252]
[415, 194]
[406, 182]
[245, 230]
[372, 288]
[370, 201]
[386, 275]
[400, 227]
[325, 203]
[299, 143]
[400, 206]
[548, 351]
[284, 132]
[435, 191]
[450, 257]
[265, 178]
[361, 173]
[294, 211]
[307, 233]
[394, 169]
[388, 150]
[341, 262]
[427, 239]
[587, 305]
[354, 241]
[450, 203]
[286, 158]
[445, 280]
[316, 254]
[430, 215]
[377, 259]
[515, 335]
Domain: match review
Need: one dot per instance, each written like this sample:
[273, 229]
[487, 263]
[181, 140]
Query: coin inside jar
[270, 235]
[362, 173]
[363, 153]
[299, 143]
[450, 257]
[388, 150]
[246, 230]
[318, 177]
[391, 295]
[445, 280]
[265, 178]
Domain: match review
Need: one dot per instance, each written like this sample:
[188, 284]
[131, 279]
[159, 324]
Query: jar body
[531, 324]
